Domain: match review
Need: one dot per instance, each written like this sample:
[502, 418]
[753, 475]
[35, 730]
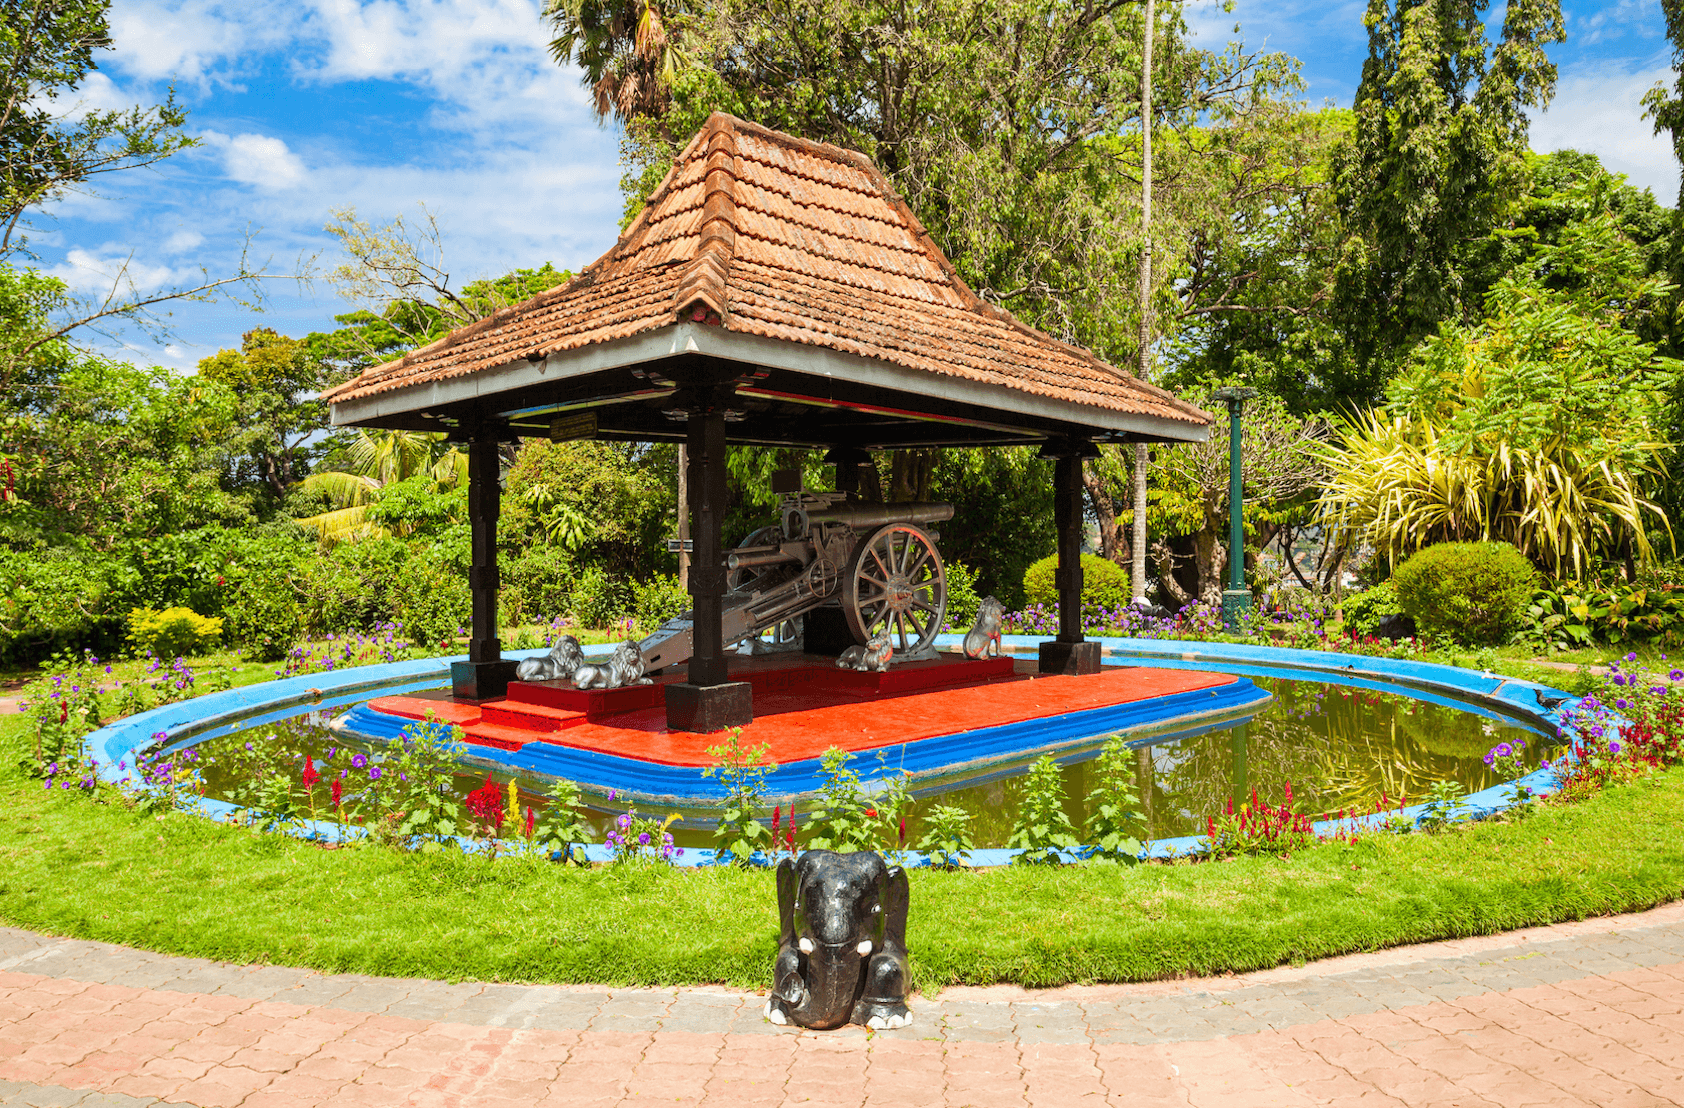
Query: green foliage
[605, 504]
[538, 585]
[657, 600]
[845, 821]
[600, 600]
[1363, 611]
[63, 708]
[61, 600]
[560, 828]
[1042, 829]
[1002, 519]
[1566, 619]
[354, 586]
[1105, 584]
[414, 797]
[743, 772]
[1466, 592]
[1444, 806]
[1115, 821]
[947, 837]
[261, 612]
[962, 598]
[432, 598]
[173, 632]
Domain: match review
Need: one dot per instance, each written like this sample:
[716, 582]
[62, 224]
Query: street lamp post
[1236, 598]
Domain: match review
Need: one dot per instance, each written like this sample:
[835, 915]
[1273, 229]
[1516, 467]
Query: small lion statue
[624, 667]
[874, 655]
[564, 657]
[985, 629]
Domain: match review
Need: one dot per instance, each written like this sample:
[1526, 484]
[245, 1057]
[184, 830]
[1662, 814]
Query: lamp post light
[1236, 598]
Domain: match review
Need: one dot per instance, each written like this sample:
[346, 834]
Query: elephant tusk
[806, 945]
[864, 947]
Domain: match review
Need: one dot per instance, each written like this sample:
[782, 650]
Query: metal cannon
[874, 561]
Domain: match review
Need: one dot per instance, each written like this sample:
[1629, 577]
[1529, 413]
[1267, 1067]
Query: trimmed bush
[1471, 592]
[173, 632]
[1105, 584]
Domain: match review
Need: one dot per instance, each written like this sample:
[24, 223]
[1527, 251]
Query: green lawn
[186, 886]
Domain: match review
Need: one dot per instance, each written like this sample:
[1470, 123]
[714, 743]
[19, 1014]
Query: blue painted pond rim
[1549, 709]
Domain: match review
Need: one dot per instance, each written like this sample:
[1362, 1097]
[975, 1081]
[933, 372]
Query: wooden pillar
[1069, 653]
[486, 674]
[707, 699]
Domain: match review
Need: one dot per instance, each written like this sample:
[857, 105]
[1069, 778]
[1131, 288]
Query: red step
[532, 717]
[588, 702]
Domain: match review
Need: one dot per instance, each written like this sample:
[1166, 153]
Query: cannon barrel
[750, 556]
[861, 516]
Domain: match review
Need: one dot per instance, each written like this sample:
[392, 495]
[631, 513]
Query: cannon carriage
[877, 562]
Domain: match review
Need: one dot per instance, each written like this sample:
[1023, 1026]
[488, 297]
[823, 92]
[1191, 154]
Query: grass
[186, 886]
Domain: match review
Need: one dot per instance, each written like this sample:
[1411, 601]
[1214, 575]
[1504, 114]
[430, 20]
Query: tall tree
[1437, 155]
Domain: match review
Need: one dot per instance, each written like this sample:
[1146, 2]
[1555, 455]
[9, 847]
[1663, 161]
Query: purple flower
[374, 773]
[359, 761]
[1631, 657]
[644, 838]
[1613, 747]
[1503, 750]
[1489, 757]
[1619, 679]
[1676, 675]
[1520, 744]
[1621, 704]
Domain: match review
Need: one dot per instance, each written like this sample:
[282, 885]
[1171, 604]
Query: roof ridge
[701, 287]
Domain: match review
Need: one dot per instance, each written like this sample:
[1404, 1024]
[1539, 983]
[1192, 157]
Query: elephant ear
[787, 883]
[897, 894]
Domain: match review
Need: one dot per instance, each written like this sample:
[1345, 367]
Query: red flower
[776, 813]
[531, 822]
[486, 803]
[903, 831]
[338, 788]
[310, 774]
[872, 812]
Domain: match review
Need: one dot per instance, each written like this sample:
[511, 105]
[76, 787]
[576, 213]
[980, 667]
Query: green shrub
[538, 585]
[657, 600]
[1105, 585]
[173, 632]
[432, 600]
[600, 600]
[1471, 592]
[355, 587]
[962, 598]
[1364, 611]
[261, 612]
[62, 600]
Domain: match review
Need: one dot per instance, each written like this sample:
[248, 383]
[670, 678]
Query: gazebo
[773, 291]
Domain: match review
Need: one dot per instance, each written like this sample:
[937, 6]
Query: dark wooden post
[707, 700]
[1069, 653]
[486, 674]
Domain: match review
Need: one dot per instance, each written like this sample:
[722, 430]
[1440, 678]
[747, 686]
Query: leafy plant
[1257, 828]
[600, 600]
[1105, 584]
[845, 821]
[560, 830]
[174, 632]
[657, 600]
[743, 772]
[1115, 821]
[947, 837]
[642, 838]
[1444, 805]
[1042, 829]
[410, 785]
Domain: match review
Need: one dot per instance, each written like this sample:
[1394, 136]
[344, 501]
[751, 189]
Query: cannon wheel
[896, 582]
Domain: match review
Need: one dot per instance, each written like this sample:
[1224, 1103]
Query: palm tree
[630, 50]
[379, 459]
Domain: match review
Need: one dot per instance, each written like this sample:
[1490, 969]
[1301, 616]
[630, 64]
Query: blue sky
[379, 105]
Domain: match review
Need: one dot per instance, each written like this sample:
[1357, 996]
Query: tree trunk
[1110, 528]
[1166, 576]
[1208, 552]
[909, 474]
[1137, 584]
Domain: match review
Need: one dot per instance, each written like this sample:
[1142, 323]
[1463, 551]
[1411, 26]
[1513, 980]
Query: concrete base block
[705, 708]
[481, 680]
[1070, 657]
[825, 631]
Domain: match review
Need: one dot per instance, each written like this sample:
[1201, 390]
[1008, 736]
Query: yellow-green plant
[174, 632]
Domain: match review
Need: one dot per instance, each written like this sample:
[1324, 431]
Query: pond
[1339, 747]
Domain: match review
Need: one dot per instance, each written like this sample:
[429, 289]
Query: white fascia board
[803, 358]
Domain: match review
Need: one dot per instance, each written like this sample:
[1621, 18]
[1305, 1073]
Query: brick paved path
[1581, 1014]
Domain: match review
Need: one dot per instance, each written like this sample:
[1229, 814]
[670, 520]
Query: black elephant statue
[842, 942]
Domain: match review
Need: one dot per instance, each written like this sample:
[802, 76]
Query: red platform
[803, 705]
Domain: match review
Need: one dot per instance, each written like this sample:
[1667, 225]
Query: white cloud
[1636, 18]
[1598, 109]
[191, 39]
[259, 160]
[182, 240]
[85, 271]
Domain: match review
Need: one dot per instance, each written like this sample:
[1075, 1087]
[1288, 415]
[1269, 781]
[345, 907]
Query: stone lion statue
[564, 657]
[874, 655]
[985, 629]
[624, 667]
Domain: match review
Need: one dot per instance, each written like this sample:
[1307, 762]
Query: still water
[1340, 748]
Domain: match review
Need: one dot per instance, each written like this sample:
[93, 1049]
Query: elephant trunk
[832, 980]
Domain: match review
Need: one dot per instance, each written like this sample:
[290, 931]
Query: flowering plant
[743, 772]
[638, 838]
[1258, 828]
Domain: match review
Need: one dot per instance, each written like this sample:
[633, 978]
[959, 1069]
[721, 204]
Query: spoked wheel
[896, 583]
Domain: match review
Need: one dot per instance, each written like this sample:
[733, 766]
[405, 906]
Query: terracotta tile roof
[776, 236]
